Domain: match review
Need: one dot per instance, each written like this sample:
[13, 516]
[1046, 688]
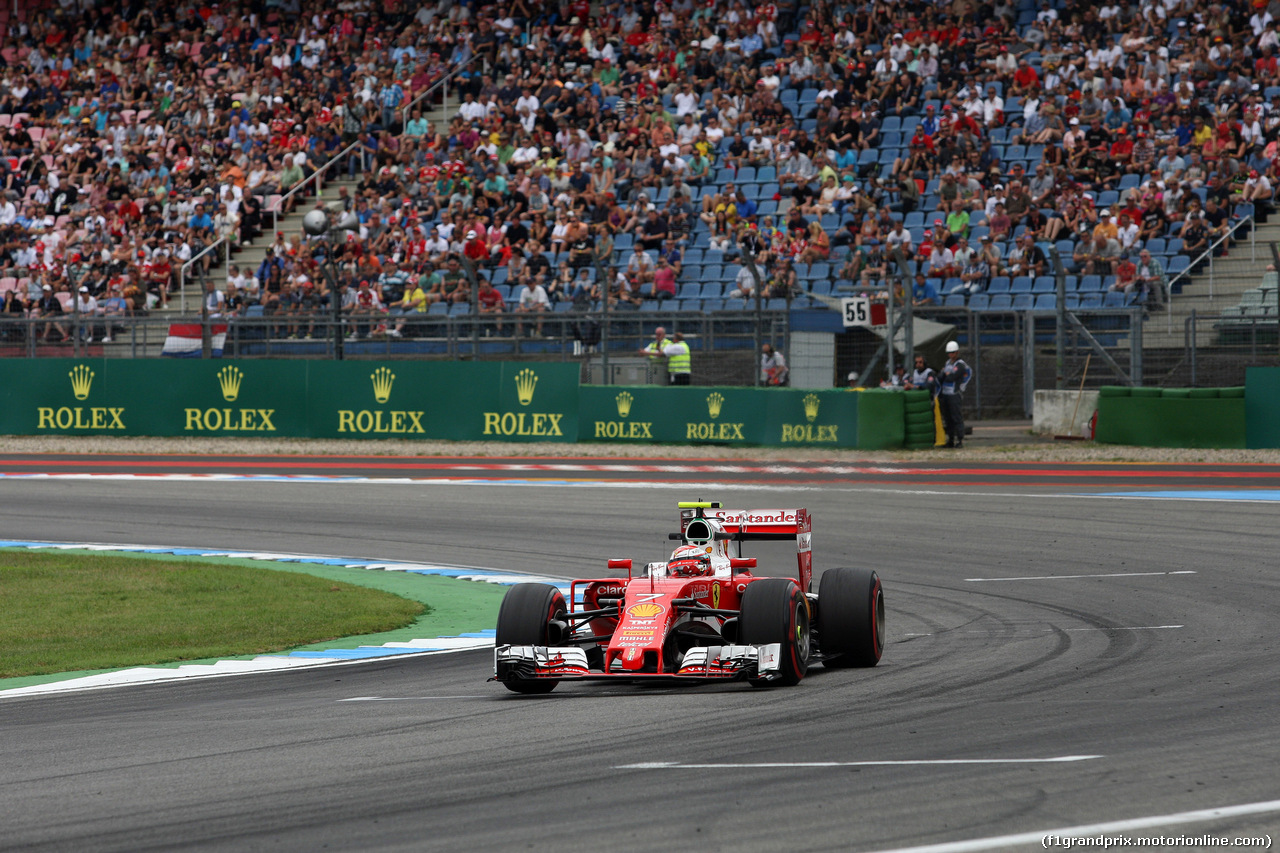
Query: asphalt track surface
[1034, 476]
[1024, 622]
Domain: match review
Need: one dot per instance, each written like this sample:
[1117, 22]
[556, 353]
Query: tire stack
[918, 409]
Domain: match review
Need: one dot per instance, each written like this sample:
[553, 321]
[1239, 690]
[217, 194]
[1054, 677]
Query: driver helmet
[689, 561]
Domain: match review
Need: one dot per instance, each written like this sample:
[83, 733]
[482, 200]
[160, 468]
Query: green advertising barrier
[492, 401]
[1262, 407]
[1173, 418]
[455, 401]
[748, 416]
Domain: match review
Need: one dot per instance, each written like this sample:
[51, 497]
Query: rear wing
[758, 525]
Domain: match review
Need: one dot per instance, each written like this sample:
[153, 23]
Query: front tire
[850, 617]
[774, 610]
[524, 619]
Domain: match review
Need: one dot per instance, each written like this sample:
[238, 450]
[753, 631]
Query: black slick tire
[774, 610]
[850, 617]
[523, 619]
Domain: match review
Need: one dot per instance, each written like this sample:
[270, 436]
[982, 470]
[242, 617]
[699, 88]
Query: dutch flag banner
[184, 340]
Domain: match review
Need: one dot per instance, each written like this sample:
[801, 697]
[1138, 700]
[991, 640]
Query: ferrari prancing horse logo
[715, 596]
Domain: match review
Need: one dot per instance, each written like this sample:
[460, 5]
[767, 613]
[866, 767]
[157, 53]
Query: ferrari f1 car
[701, 615]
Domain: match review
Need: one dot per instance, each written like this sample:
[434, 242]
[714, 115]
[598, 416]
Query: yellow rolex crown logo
[382, 379]
[811, 403]
[229, 379]
[526, 381]
[714, 401]
[624, 403]
[81, 380]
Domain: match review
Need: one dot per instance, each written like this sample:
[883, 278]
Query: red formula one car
[701, 615]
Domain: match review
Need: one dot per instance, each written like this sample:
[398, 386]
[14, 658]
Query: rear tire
[523, 620]
[850, 617]
[774, 610]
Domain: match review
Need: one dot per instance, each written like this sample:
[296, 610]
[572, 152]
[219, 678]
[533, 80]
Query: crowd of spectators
[691, 154]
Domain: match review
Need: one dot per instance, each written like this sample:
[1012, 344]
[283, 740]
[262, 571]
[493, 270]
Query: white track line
[676, 765]
[1077, 577]
[1038, 837]
[995, 633]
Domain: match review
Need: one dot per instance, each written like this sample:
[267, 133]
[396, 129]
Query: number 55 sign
[860, 311]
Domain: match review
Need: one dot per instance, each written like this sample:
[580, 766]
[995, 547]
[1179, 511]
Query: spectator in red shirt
[664, 281]
[491, 301]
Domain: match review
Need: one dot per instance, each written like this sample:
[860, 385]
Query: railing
[1219, 348]
[182, 270]
[1208, 253]
[442, 82]
[315, 179]
[557, 335]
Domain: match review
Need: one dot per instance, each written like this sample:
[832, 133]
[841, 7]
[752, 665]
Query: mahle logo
[81, 381]
[811, 403]
[532, 424]
[383, 379]
[227, 419]
[526, 382]
[714, 431]
[624, 401]
[381, 421]
[79, 417]
[229, 379]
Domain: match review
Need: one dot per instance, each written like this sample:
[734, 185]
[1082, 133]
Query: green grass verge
[452, 607]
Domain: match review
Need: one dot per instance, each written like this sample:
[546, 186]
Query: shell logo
[645, 611]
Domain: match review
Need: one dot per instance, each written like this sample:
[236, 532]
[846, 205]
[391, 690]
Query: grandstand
[797, 135]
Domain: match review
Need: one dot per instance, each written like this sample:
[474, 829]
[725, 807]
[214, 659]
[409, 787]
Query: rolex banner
[492, 401]
[748, 416]
[456, 401]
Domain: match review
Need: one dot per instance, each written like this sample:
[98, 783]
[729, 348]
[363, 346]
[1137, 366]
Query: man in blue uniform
[952, 382]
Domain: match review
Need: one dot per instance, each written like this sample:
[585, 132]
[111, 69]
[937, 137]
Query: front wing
[721, 663]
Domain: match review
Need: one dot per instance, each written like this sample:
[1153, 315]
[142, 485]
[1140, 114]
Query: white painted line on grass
[1038, 837]
[1077, 577]
[679, 765]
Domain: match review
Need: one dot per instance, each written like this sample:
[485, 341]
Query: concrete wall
[1053, 411]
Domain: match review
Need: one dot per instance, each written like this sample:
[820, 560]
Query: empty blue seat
[1000, 302]
[1023, 301]
[1046, 302]
[1021, 284]
[1044, 284]
[999, 284]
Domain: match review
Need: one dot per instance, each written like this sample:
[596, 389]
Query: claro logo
[80, 417]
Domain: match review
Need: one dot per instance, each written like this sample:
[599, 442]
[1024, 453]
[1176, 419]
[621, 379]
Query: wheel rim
[802, 633]
[877, 619]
